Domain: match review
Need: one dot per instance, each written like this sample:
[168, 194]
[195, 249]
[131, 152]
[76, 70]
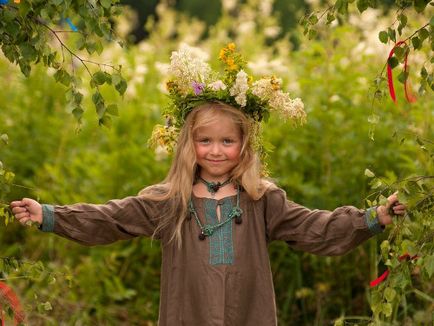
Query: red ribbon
[383, 276]
[8, 296]
[408, 95]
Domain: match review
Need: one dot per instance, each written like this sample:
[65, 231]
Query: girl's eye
[204, 141]
[227, 141]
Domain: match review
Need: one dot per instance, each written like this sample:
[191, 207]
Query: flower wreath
[194, 83]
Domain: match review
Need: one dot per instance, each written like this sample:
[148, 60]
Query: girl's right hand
[26, 210]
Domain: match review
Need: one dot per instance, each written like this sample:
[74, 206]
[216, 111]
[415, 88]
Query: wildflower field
[79, 133]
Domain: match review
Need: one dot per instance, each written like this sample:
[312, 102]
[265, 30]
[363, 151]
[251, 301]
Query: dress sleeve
[91, 224]
[320, 232]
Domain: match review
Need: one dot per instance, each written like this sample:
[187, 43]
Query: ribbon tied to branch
[408, 95]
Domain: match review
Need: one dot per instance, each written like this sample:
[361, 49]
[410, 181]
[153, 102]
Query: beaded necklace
[207, 229]
[213, 187]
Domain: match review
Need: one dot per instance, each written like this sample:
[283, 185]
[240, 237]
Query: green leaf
[105, 121]
[386, 308]
[78, 113]
[330, 18]
[423, 73]
[25, 68]
[402, 77]
[62, 77]
[402, 19]
[116, 78]
[389, 294]
[342, 6]
[112, 109]
[392, 34]
[97, 98]
[417, 44]
[423, 34]
[383, 36]
[313, 19]
[431, 21]
[362, 5]
[369, 173]
[99, 78]
[28, 52]
[312, 34]
[419, 5]
[393, 62]
[121, 87]
[402, 23]
[106, 3]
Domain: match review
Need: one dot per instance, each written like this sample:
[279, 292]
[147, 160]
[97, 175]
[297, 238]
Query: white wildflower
[217, 85]
[141, 70]
[188, 66]
[229, 5]
[272, 31]
[240, 88]
[265, 87]
[288, 108]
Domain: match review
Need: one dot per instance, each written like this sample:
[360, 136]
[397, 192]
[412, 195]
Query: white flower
[288, 108]
[141, 70]
[217, 85]
[240, 88]
[265, 87]
[188, 66]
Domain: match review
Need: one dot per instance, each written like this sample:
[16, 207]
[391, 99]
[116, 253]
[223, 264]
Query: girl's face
[218, 147]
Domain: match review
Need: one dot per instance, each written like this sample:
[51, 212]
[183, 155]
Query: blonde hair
[178, 184]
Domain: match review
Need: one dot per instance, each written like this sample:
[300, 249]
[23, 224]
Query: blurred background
[352, 126]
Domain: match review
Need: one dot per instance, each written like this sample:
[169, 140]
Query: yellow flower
[222, 55]
[231, 47]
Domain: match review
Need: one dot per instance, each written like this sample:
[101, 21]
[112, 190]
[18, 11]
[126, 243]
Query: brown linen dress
[224, 280]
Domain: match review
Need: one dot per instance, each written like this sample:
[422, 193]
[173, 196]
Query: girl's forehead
[218, 127]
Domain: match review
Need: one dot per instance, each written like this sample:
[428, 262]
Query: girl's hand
[26, 210]
[393, 205]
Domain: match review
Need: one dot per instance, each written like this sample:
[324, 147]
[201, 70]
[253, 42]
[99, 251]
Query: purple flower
[198, 87]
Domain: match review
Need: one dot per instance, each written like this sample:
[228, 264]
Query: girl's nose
[215, 149]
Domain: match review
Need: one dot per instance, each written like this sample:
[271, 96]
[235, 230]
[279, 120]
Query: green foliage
[28, 37]
[6, 179]
[408, 251]
[416, 40]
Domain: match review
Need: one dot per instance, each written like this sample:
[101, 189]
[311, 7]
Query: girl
[214, 216]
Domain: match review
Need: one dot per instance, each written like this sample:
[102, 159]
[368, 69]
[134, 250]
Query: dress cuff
[372, 221]
[47, 218]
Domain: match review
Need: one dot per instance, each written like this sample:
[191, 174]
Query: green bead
[208, 230]
[236, 212]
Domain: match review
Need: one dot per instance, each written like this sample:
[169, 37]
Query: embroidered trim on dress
[221, 250]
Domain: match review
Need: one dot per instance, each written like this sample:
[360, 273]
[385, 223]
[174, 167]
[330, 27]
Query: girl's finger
[17, 210]
[17, 203]
[20, 216]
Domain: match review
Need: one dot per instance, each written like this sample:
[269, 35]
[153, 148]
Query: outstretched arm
[324, 232]
[91, 224]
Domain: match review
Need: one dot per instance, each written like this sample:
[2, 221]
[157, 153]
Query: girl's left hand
[393, 205]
